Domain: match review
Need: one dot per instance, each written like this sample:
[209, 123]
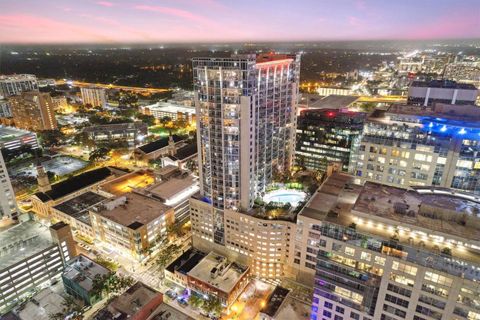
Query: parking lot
[60, 165]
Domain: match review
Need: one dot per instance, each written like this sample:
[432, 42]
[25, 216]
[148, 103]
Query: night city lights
[240, 160]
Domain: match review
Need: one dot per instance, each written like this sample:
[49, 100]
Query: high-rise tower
[246, 115]
[246, 111]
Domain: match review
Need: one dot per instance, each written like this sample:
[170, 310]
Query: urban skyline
[215, 160]
[120, 21]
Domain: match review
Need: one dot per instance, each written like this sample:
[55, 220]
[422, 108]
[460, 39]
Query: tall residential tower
[246, 116]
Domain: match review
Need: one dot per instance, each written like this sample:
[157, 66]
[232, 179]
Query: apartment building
[93, 96]
[386, 253]
[33, 111]
[436, 146]
[328, 135]
[31, 256]
[15, 84]
[246, 115]
[133, 223]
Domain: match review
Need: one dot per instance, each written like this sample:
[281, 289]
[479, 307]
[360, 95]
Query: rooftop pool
[294, 197]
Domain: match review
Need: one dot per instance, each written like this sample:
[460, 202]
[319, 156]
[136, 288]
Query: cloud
[174, 12]
[24, 28]
[105, 3]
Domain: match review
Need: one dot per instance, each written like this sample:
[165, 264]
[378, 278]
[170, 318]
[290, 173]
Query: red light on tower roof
[330, 114]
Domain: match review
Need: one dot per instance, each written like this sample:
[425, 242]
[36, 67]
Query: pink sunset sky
[122, 21]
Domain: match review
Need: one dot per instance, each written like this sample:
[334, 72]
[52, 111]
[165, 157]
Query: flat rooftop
[405, 206]
[78, 206]
[174, 189]
[377, 210]
[444, 84]
[75, 184]
[186, 261]
[128, 182]
[41, 306]
[165, 312]
[82, 270]
[12, 133]
[226, 282]
[117, 126]
[462, 115]
[275, 301]
[293, 308]
[132, 300]
[333, 102]
[132, 210]
[166, 106]
[21, 241]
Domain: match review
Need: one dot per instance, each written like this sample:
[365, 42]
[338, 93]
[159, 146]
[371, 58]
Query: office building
[246, 116]
[13, 139]
[75, 212]
[408, 146]
[79, 278]
[171, 110]
[387, 253]
[8, 203]
[95, 97]
[31, 257]
[134, 223]
[423, 93]
[33, 111]
[328, 135]
[130, 133]
[12, 85]
[175, 191]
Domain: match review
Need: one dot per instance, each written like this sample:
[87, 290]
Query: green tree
[167, 254]
[50, 138]
[195, 301]
[110, 284]
[112, 266]
[213, 306]
[99, 153]
[148, 119]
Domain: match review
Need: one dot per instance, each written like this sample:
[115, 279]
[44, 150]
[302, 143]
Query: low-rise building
[178, 270]
[31, 256]
[79, 279]
[182, 156]
[216, 276]
[274, 303]
[42, 202]
[159, 148]
[175, 192]
[139, 302]
[171, 110]
[41, 306]
[127, 183]
[133, 223]
[75, 212]
[129, 133]
[424, 93]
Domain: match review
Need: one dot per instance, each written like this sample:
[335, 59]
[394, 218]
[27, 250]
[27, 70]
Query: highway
[81, 84]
